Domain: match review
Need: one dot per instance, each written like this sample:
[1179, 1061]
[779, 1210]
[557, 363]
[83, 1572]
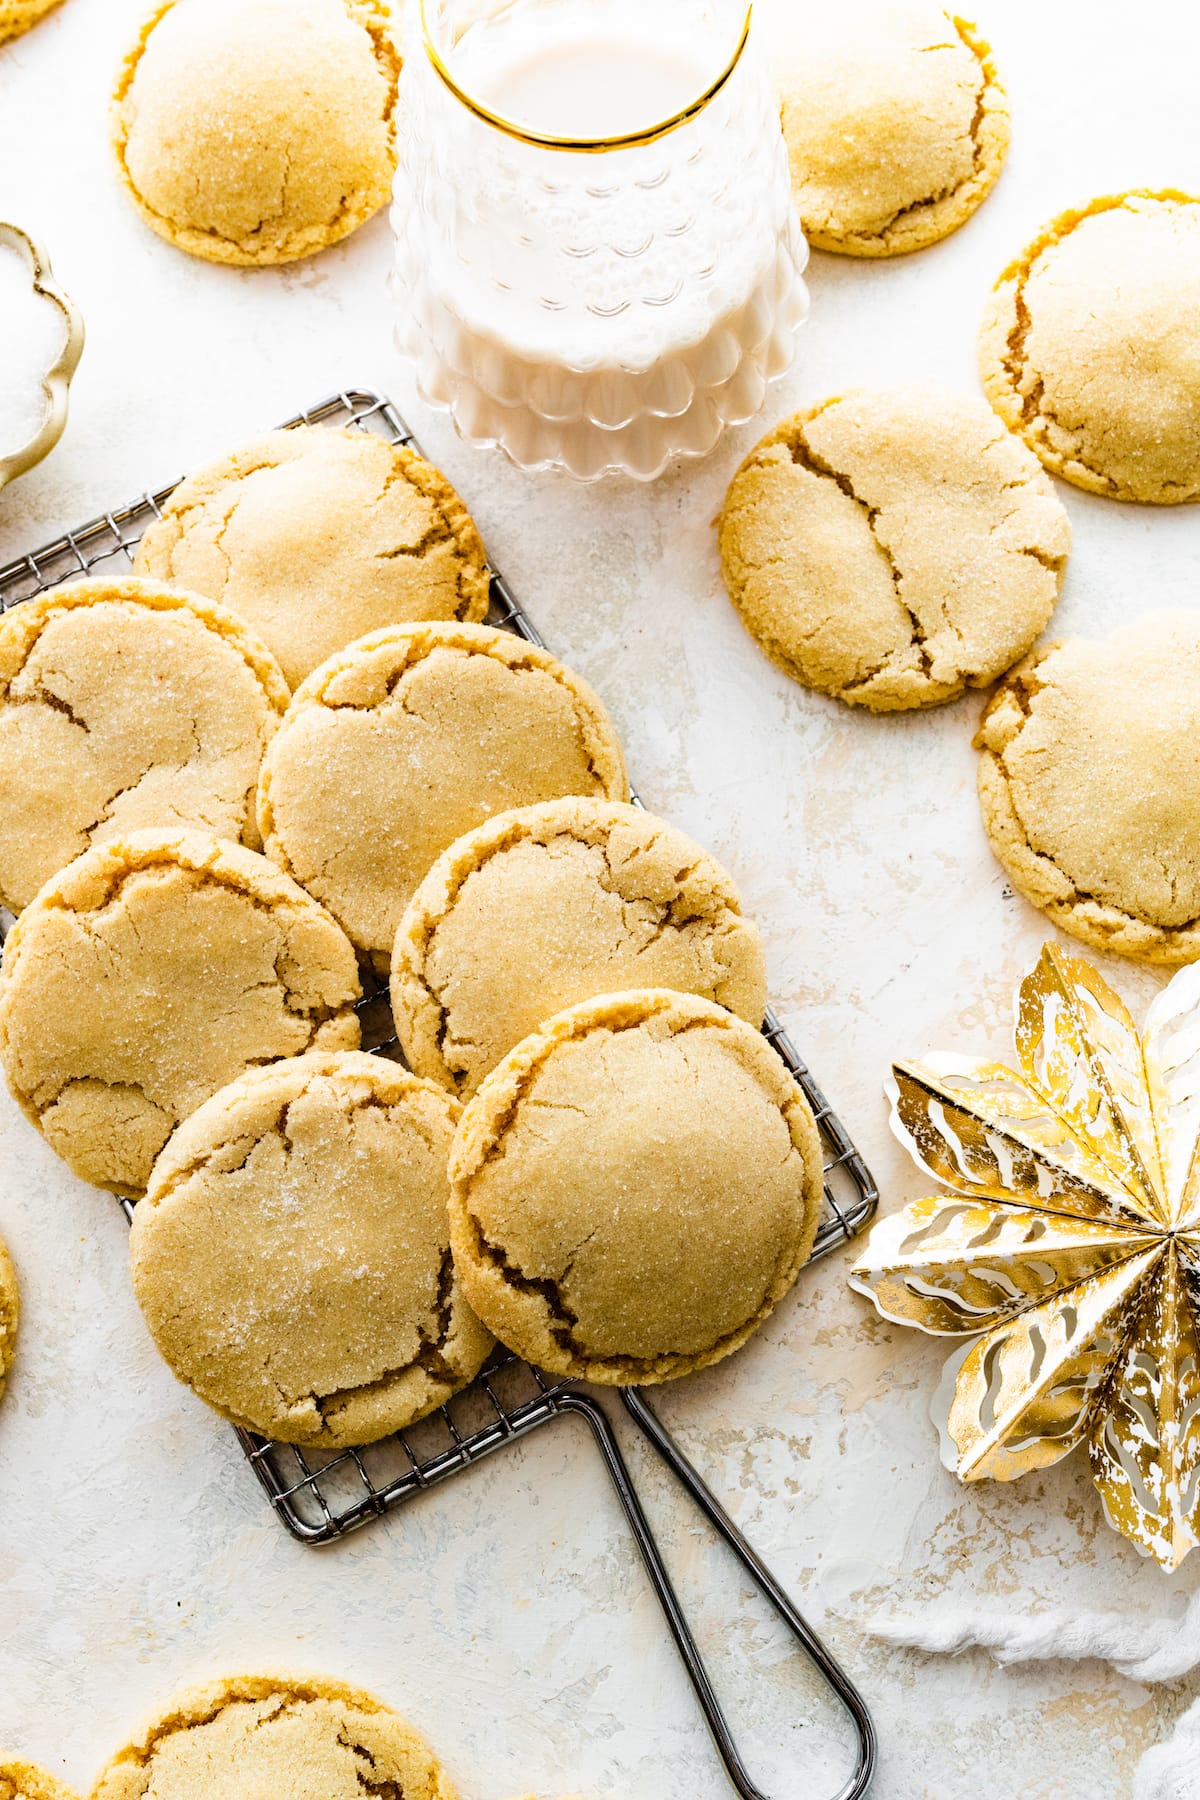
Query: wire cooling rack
[323, 1498]
[319, 1500]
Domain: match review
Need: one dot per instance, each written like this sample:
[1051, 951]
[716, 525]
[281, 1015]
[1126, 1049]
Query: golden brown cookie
[634, 1189]
[894, 546]
[10, 1320]
[1090, 347]
[125, 706]
[258, 131]
[22, 1781]
[316, 537]
[290, 1737]
[16, 16]
[542, 908]
[1090, 786]
[400, 744]
[292, 1253]
[151, 972]
[896, 124]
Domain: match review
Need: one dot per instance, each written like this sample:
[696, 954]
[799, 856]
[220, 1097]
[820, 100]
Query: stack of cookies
[283, 763]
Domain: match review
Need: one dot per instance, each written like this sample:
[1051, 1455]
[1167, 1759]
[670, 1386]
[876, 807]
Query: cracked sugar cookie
[16, 17]
[316, 537]
[151, 972]
[896, 124]
[894, 547]
[10, 1319]
[292, 1254]
[634, 1189]
[124, 705]
[303, 1737]
[1090, 347]
[409, 739]
[542, 908]
[1089, 781]
[22, 1780]
[258, 131]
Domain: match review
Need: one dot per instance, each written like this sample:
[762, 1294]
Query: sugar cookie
[413, 736]
[894, 546]
[634, 1189]
[305, 1737]
[10, 1319]
[148, 974]
[1090, 347]
[316, 537]
[292, 1253]
[258, 131]
[124, 706]
[896, 124]
[542, 908]
[22, 1781]
[1090, 786]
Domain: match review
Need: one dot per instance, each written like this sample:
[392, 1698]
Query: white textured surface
[506, 1614]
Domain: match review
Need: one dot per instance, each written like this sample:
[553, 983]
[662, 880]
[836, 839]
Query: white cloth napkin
[1144, 1649]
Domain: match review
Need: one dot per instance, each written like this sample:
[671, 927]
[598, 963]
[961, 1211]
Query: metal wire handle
[648, 1423]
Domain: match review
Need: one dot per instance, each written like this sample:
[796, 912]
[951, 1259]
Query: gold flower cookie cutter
[56, 380]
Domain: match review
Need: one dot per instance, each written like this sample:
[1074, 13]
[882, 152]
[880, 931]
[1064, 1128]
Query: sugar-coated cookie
[151, 972]
[542, 908]
[16, 16]
[316, 537]
[292, 1253]
[397, 746]
[1089, 780]
[303, 1737]
[1090, 347]
[258, 131]
[634, 1189]
[125, 705]
[896, 124]
[22, 1781]
[10, 1319]
[894, 546]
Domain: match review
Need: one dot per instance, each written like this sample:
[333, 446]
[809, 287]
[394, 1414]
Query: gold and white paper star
[1071, 1242]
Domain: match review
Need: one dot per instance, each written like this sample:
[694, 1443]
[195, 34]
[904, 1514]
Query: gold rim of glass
[584, 146]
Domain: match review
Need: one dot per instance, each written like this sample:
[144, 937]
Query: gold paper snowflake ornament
[1071, 1243]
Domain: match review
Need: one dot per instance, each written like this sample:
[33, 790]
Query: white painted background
[506, 1614]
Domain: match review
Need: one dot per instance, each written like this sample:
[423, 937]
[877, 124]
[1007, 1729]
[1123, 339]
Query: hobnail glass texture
[596, 312]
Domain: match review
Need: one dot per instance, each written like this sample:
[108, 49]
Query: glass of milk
[598, 264]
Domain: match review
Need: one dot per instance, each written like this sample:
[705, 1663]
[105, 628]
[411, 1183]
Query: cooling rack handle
[652, 1428]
